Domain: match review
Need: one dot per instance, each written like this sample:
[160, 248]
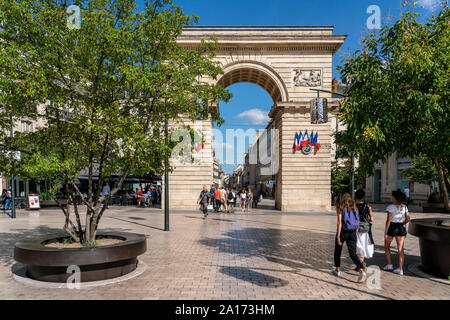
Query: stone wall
[304, 179]
[186, 180]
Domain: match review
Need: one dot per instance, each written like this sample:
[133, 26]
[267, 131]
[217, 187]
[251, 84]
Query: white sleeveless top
[398, 212]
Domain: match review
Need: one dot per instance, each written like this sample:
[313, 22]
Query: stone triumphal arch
[287, 62]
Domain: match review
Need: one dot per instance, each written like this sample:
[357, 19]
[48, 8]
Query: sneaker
[362, 276]
[337, 273]
[388, 267]
[364, 267]
[398, 271]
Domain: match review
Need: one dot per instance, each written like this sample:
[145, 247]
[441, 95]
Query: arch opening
[257, 74]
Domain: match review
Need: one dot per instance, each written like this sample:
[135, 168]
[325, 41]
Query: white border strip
[21, 277]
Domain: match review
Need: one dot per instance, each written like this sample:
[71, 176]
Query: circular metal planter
[99, 263]
[434, 242]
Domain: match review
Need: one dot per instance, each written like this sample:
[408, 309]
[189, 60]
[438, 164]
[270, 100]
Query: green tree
[341, 177]
[422, 170]
[99, 91]
[398, 94]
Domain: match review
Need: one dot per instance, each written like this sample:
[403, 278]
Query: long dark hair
[399, 196]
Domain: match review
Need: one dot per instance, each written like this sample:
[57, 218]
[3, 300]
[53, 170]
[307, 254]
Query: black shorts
[396, 229]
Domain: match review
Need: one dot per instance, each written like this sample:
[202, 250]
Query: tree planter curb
[99, 263]
[434, 242]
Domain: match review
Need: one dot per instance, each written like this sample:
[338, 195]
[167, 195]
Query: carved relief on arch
[307, 78]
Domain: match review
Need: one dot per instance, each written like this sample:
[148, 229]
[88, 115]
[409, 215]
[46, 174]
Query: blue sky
[349, 17]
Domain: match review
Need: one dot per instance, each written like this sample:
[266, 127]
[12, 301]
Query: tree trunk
[87, 226]
[442, 183]
[77, 217]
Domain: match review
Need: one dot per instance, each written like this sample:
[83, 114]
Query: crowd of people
[147, 196]
[354, 227]
[221, 199]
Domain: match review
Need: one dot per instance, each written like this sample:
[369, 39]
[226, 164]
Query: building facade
[218, 174]
[388, 176]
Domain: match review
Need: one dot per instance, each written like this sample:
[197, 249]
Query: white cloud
[254, 116]
[429, 4]
[221, 149]
[221, 145]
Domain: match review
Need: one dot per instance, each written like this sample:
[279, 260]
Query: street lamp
[166, 175]
[13, 205]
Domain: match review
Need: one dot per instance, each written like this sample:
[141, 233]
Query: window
[26, 126]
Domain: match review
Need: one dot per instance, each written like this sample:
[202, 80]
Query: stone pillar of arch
[287, 62]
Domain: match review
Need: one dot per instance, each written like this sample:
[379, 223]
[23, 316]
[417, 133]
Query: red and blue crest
[305, 142]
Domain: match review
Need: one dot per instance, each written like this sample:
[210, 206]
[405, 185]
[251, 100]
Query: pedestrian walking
[347, 227]
[223, 198]
[139, 194]
[231, 199]
[204, 200]
[250, 197]
[256, 196]
[217, 197]
[406, 191]
[365, 243]
[243, 199]
[105, 191]
[148, 198]
[3, 198]
[397, 218]
[8, 202]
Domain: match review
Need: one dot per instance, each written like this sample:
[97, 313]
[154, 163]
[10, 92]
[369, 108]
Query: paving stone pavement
[262, 254]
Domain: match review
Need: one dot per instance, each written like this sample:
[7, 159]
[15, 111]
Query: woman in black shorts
[397, 218]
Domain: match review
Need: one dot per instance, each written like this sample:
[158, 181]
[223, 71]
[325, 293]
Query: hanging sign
[304, 142]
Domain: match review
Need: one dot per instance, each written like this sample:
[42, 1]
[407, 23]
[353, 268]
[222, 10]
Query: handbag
[209, 207]
[364, 226]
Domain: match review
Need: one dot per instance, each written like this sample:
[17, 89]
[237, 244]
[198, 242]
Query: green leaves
[421, 171]
[102, 91]
[341, 177]
[398, 92]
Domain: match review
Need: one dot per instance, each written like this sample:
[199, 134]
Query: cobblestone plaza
[262, 254]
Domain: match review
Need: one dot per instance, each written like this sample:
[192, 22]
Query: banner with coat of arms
[305, 142]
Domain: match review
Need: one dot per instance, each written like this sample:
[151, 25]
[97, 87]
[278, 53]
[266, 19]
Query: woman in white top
[243, 199]
[397, 218]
